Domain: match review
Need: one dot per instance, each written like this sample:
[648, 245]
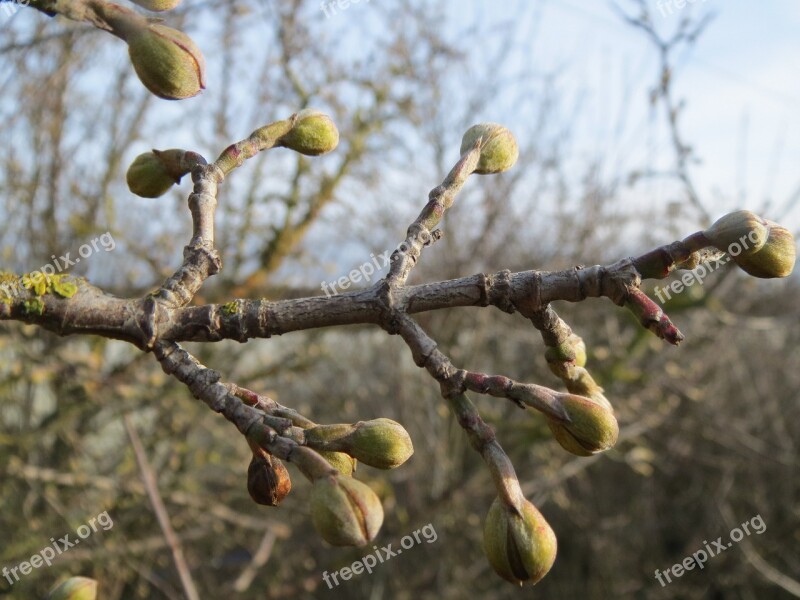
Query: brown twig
[151, 485]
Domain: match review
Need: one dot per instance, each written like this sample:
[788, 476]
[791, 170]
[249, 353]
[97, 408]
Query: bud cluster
[344, 511]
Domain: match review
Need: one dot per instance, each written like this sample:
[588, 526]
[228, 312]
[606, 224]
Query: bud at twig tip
[150, 176]
[313, 133]
[380, 443]
[591, 427]
[167, 61]
[499, 151]
[520, 546]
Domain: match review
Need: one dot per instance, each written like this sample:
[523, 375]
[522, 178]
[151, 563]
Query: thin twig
[149, 479]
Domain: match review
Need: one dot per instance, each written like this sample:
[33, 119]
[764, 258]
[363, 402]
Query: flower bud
[345, 512]
[167, 61]
[775, 259]
[157, 5]
[379, 443]
[313, 133]
[152, 174]
[340, 461]
[592, 428]
[268, 481]
[520, 547]
[75, 588]
[742, 227]
[499, 151]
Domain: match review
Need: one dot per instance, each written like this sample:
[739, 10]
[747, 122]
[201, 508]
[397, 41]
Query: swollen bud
[75, 588]
[167, 61]
[521, 547]
[345, 512]
[157, 5]
[742, 227]
[499, 151]
[268, 481]
[313, 133]
[775, 259]
[152, 174]
[379, 443]
[591, 428]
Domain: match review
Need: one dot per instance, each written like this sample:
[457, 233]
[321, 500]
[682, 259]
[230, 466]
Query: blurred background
[638, 121]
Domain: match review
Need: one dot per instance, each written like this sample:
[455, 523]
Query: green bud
[592, 428]
[499, 151]
[157, 5]
[313, 133]
[775, 259]
[268, 481]
[520, 547]
[340, 461]
[742, 227]
[167, 61]
[345, 512]
[75, 588]
[379, 443]
[151, 174]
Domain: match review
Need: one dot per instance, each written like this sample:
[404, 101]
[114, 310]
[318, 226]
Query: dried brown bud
[268, 480]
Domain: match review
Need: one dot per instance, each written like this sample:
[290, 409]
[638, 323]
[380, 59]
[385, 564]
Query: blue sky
[740, 84]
